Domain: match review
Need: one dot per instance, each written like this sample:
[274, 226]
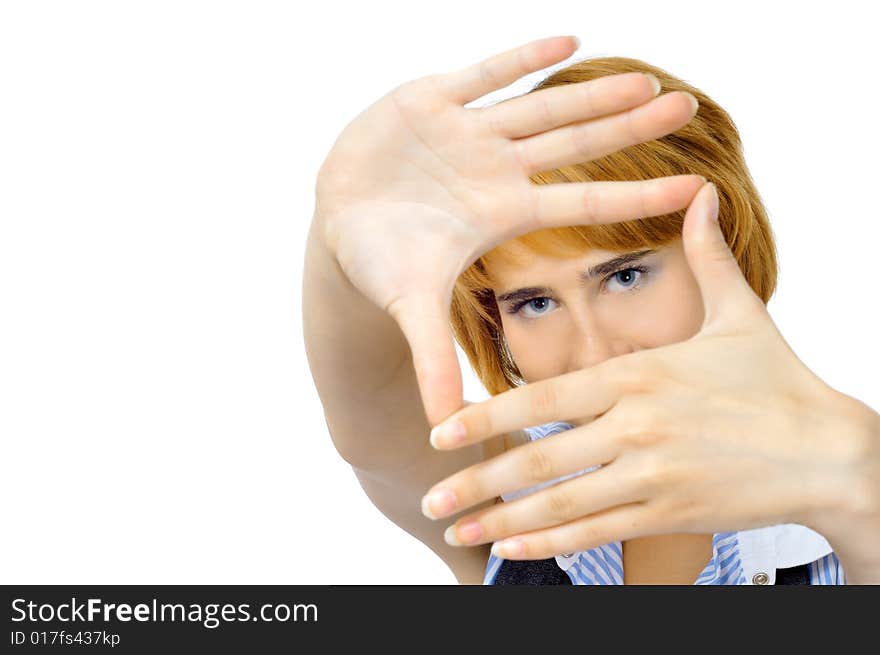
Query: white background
[158, 419]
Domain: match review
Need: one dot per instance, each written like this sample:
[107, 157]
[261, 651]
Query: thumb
[424, 320]
[728, 299]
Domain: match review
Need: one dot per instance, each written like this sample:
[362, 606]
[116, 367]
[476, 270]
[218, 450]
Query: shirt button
[760, 578]
[567, 554]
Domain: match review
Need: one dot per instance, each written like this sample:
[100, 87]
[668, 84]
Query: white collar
[765, 549]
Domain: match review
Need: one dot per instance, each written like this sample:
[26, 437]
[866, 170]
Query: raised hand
[725, 431]
[417, 186]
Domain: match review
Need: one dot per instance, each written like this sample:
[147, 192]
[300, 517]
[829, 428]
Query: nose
[593, 343]
[589, 350]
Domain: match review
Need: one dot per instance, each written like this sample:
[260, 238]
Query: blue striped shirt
[741, 557]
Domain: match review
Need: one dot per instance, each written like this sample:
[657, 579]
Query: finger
[496, 72]
[728, 299]
[425, 324]
[615, 524]
[547, 109]
[586, 141]
[557, 505]
[589, 203]
[539, 463]
[586, 392]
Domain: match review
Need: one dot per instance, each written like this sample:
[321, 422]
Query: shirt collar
[765, 549]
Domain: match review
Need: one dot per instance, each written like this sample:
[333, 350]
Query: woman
[422, 203]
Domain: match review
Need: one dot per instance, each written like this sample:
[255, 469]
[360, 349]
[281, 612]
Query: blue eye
[518, 308]
[625, 277]
[629, 279]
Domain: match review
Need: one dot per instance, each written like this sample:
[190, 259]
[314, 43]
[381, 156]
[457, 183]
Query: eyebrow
[599, 270]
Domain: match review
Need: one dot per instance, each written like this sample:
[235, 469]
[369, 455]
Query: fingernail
[466, 533]
[507, 548]
[438, 504]
[577, 42]
[713, 210]
[655, 82]
[693, 100]
[450, 538]
[447, 434]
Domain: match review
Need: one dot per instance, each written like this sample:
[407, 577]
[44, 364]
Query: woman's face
[564, 324]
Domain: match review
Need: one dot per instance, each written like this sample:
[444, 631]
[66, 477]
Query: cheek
[533, 350]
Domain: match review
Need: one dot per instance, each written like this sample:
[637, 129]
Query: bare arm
[358, 358]
[364, 375]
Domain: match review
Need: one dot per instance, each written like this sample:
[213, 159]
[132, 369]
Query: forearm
[850, 519]
[356, 352]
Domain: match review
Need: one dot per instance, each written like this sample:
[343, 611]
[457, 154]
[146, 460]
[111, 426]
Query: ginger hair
[708, 145]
